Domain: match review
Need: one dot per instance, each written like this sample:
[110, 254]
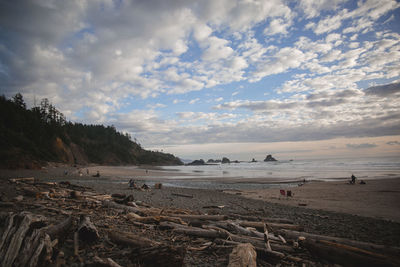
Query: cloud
[285, 59]
[314, 8]
[277, 26]
[360, 146]
[301, 67]
[157, 105]
[383, 90]
[194, 101]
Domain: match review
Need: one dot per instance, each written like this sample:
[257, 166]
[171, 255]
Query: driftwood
[266, 239]
[193, 231]
[260, 226]
[99, 262]
[76, 244]
[87, 231]
[347, 255]
[59, 230]
[24, 241]
[157, 256]
[237, 229]
[182, 195]
[25, 180]
[363, 245]
[202, 217]
[262, 253]
[154, 219]
[244, 255]
[129, 239]
[260, 219]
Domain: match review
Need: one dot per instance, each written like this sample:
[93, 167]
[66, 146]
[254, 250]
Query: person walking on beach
[353, 179]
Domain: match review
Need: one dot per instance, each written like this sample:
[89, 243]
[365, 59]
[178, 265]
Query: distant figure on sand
[353, 179]
[97, 174]
[132, 183]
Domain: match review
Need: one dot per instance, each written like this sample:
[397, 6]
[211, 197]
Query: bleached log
[182, 195]
[192, 231]
[243, 255]
[260, 219]
[154, 219]
[24, 180]
[262, 253]
[260, 226]
[201, 217]
[237, 229]
[129, 239]
[18, 227]
[266, 240]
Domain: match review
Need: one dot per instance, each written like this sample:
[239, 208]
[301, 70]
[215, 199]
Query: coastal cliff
[29, 138]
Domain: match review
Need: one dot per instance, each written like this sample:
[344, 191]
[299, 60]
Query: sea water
[297, 170]
[276, 174]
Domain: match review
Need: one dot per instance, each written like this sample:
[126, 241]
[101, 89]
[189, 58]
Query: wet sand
[377, 198]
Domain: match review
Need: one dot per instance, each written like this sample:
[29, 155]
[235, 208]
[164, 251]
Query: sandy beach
[369, 212]
[377, 198]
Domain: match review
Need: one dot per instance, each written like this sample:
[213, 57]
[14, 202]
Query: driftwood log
[394, 251]
[87, 231]
[347, 255]
[157, 256]
[26, 241]
[243, 255]
[130, 239]
[275, 226]
[107, 262]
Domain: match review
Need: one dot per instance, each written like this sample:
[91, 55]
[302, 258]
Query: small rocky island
[269, 158]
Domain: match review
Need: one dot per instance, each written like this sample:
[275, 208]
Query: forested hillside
[31, 137]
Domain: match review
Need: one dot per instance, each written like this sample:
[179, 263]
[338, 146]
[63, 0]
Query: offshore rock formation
[269, 158]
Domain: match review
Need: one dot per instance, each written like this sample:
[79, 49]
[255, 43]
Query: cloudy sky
[215, 77]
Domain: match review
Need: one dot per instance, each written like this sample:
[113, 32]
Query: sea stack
[269, 158]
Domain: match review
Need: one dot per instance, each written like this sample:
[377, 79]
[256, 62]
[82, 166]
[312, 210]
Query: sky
[213, 78]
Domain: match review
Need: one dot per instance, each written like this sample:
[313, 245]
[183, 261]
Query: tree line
[29, 135]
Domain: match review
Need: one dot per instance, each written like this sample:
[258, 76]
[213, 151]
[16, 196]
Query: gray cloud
[383, 90]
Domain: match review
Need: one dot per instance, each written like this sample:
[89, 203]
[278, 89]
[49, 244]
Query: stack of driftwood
[60, 224]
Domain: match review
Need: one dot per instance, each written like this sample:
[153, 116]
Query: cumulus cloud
[93, 59]
[383, 90]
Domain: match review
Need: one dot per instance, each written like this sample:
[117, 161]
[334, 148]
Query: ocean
[291, 172]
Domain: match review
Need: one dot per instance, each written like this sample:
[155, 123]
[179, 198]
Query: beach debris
[157, 185]
[107, 262]
[182, 195]
[94, 229]
[87, 231]
[214, 207]
[23, 180]
[243, 255]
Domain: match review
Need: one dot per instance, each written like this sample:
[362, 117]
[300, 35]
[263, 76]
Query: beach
[377, 198]
[367, 212]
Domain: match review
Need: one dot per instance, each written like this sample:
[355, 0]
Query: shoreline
[379, 228]
[379, 198]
